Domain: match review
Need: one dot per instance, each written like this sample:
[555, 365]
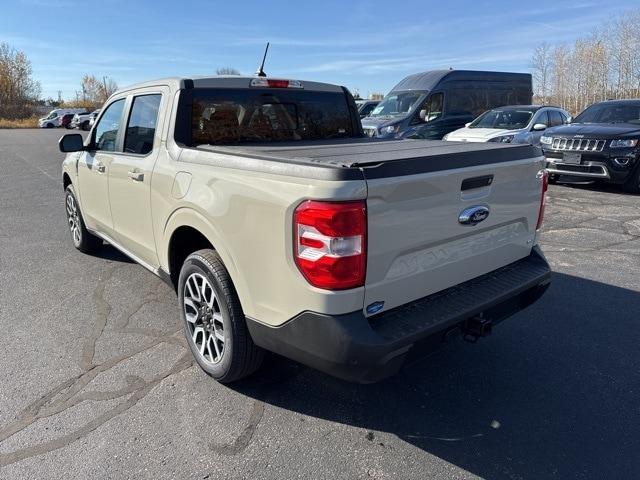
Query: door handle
[135, 176]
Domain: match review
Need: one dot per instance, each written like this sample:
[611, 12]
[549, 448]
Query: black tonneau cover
[383, 158]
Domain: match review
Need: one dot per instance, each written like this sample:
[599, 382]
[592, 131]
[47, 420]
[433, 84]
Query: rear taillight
[330, 240]
[544, 175]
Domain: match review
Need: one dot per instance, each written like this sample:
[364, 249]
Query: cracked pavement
[97, 381]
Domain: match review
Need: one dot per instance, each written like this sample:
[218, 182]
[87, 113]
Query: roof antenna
[260, 72]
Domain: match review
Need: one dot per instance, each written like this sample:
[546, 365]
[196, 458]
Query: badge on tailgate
[473, 215]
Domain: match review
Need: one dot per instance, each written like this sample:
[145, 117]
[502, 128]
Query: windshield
[503, 119]
[52, 115]
[396, 104]
[610, 113]
[232, 116]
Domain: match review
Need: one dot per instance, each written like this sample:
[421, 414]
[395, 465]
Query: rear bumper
[365, 350]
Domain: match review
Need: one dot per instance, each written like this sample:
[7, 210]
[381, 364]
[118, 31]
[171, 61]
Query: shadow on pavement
[595, 186]
[109, 252]
[553, 393]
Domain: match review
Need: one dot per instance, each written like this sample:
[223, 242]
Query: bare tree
[18, 89]
[227, 71]
[605, 64]
[541, 66]
[109, 87]
[93, 92]
[561, 63]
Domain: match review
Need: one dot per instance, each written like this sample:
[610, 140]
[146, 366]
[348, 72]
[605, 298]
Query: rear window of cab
[259, 115]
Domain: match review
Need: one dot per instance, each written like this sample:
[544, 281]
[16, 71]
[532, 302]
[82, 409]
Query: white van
[53, 119]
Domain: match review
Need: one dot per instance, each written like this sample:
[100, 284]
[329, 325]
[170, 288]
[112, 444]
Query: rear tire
[214, 323]
[82, 239]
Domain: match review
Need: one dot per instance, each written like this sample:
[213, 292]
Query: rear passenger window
[107, 129]
[141, 128]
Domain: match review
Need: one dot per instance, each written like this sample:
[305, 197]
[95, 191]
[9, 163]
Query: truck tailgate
[417, 245]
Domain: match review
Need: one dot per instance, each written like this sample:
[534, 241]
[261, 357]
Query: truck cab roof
[224, 81]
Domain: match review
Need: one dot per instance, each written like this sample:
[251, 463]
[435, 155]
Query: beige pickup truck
[282, 228]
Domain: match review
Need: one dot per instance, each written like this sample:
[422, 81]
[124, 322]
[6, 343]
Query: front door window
[433, 107]
[106, 132]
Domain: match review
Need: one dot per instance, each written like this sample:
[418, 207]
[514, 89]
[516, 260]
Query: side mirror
[539, 127]
[423, 115]
[72, 142]
[467, 124]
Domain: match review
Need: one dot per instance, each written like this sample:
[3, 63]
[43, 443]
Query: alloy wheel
[74, 220]
[204, 318]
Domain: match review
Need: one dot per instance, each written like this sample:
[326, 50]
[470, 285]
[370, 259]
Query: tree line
[20, 92]
[18, 89]
[600, 66]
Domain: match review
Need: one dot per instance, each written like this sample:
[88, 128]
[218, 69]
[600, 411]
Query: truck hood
[594, 130]
[478, 134]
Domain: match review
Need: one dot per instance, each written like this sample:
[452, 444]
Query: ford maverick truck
[283, 228]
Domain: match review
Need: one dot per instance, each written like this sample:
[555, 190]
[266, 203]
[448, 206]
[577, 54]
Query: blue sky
[365, 45]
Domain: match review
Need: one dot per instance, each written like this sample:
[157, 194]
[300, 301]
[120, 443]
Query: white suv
[511, 124]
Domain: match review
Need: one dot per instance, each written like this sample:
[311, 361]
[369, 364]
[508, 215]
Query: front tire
[214, 323]
[82, 239]
[633, 184]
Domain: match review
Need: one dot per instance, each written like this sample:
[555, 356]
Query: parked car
[81, 120]
[52, 120]
[602, 143]
[431, 104]
[365, 107]
[65, 120]
[512, 124]
[283, 229]
[93, 116]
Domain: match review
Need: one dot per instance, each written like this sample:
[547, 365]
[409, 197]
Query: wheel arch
[187, 231]
[66, 180]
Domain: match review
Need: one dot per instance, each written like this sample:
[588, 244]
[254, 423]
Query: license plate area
[572, 158]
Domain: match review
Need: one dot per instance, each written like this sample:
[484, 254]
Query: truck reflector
[544, 175]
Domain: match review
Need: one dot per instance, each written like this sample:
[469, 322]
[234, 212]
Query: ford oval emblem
[473, 215]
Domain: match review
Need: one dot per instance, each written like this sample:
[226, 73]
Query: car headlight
[623, 143]
[388, 130]
[446, 137]
[502, 139]
[546, 140]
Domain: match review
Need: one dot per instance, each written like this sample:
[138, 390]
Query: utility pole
[104, 82]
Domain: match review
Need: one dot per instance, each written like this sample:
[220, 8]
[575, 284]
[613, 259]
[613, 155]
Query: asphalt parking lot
[97, 381]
